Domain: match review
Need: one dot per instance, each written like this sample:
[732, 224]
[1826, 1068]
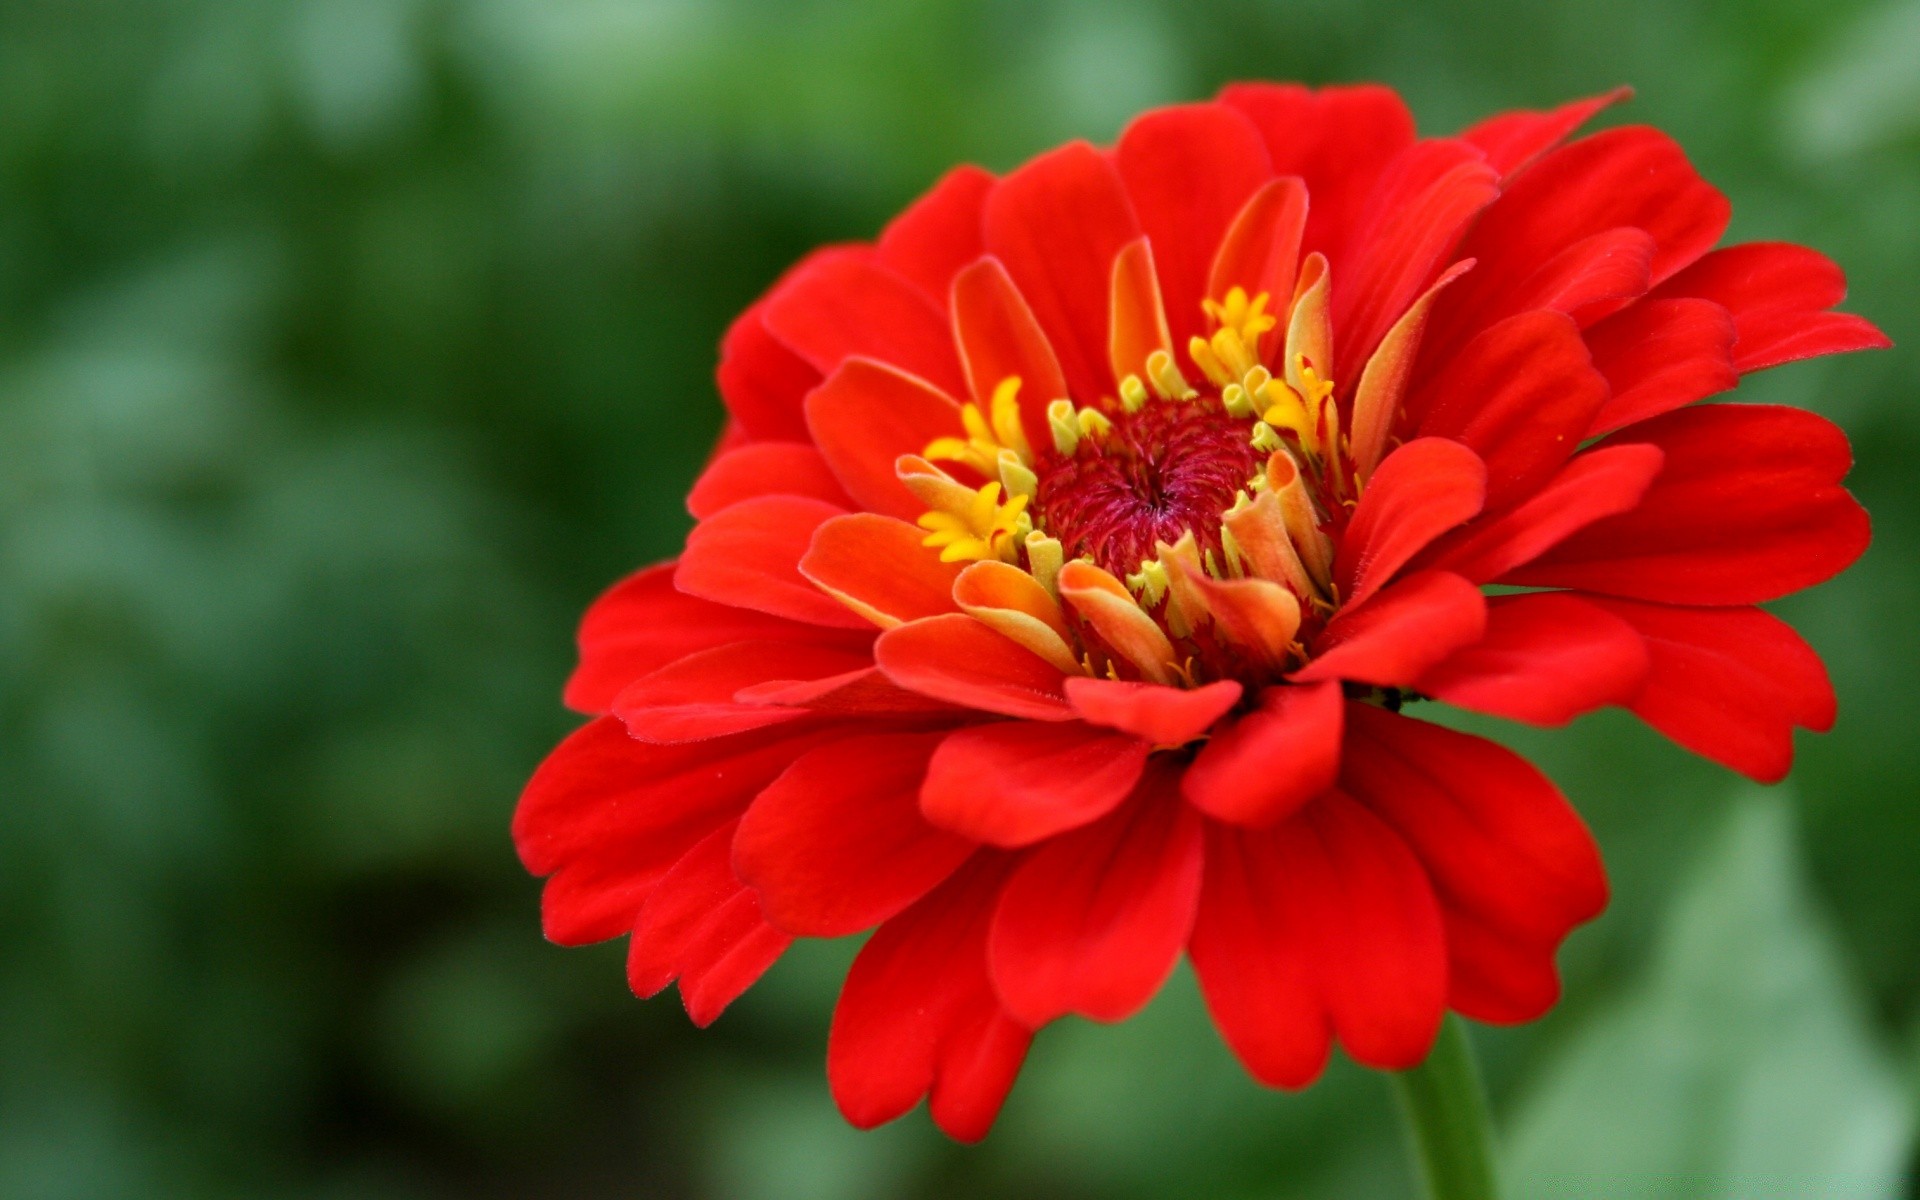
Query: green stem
[1447, 1121]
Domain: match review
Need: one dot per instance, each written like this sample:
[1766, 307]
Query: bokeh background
[348, 347]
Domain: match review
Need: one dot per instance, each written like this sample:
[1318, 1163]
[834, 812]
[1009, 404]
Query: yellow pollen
[987, 434]
[986, 528]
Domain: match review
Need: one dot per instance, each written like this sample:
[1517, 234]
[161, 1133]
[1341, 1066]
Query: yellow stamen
[986, 528]
[1248, 319]
[987, 434]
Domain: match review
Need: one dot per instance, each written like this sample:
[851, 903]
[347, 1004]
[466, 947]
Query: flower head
[1073, 552]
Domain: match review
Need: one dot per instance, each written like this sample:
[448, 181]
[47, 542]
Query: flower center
[1162, 471]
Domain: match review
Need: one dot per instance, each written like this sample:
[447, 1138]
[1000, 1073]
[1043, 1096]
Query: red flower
[1073, 549]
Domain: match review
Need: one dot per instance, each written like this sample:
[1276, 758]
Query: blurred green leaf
[1740, 1067]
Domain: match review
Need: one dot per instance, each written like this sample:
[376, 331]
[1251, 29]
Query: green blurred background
[349, 347]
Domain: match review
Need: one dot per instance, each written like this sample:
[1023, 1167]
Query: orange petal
[1260, 532]
[877, 567]
[1104, 602]
[1138, 321]
[1000, 338]
[1255, 613]
[1310, 325]
[868, 414]
[1384, 379]
[1261, 252]
[1013, 603]
[957, 659]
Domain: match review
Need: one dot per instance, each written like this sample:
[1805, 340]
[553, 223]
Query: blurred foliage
[347, 347]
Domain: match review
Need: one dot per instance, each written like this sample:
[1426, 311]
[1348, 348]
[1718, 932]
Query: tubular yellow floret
[1093, 423]
[1017, 475]
[1166, 378]
[1006, 418]
[1233, 353]
[1149, 583]
[1265, 439]
[1202, 353]
[1066, 430]
[1044, 560]
[1133, 394]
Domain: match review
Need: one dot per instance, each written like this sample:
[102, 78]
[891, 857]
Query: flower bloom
[1072, 551]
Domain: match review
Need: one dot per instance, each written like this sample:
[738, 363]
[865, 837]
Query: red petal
[918, 1017]
[1747, 508]
[1778, 294]
[1188, 169]
[845, 304]
[762, 381]
[643, 623]
[1324, 925]
[1513, 865]
[748, 555]
[1056, 223]
[692, 699]
[939, 233]
[1412, 222]
[1093, 920]
[1014, 784]
[702, 927]
[1729, 683]
[1402, 632]
[1420, 491]
[864, 417]
[1546, 659]
[866, 692]
[1521, 394]
[1584, 278]
[876, 566]
[1164, 716]
[957, 659]
[1631, 176]
[764, 469]
[1269, 763]
[607, 816]
[1338, 139]
[999, 337]
[837, 843]
[1660, 355]
[1512, 140]
[1596, 484]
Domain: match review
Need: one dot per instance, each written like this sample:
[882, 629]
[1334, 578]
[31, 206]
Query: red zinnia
[1072, 551]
